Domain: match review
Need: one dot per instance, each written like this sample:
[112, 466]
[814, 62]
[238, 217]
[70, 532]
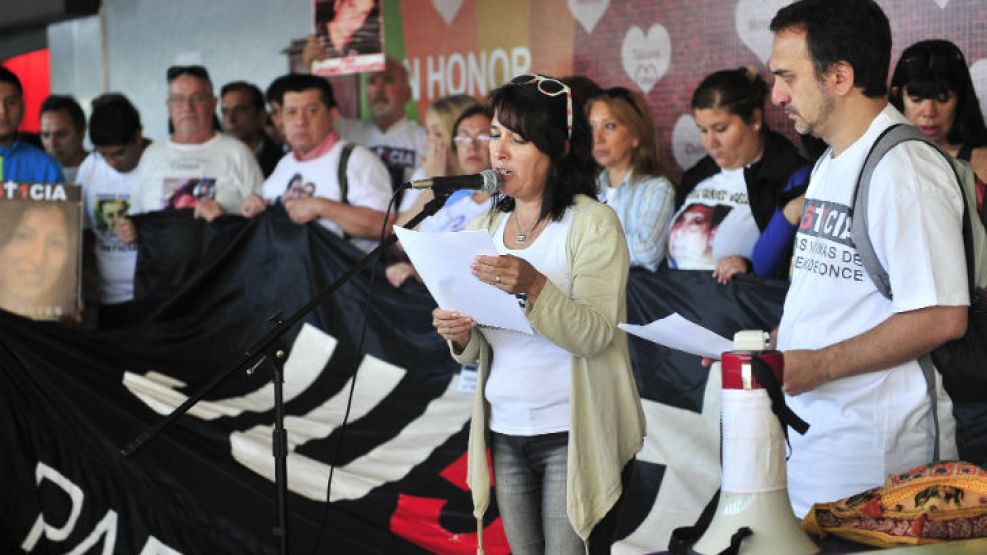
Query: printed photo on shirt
[108, 211]
[40, 257]
[351, 33]
[690, 241]
[184, 192]
[298, 188]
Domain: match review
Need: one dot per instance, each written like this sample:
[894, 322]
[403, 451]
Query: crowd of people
[583, 197]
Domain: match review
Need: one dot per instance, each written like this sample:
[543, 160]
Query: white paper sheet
[678, 333]
[443, 261]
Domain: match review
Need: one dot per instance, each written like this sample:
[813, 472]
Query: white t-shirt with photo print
[107, 192]
[867, 426]
[714, 222]
[368, 183]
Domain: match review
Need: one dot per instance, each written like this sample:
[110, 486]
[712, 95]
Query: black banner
[69, 400]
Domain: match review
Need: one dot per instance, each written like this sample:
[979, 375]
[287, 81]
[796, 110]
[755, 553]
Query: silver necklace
[522, 236]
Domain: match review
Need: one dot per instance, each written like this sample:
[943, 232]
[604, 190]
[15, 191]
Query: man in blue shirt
[20, 161]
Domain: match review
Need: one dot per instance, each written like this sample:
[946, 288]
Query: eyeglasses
[624, 94]
[197, 98]
[466, 140]
[550, 87]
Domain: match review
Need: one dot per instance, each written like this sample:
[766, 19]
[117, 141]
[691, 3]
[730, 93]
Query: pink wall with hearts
[660, 47]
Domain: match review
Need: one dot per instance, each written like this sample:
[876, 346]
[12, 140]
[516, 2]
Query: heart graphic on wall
[752, 20]
[978, 72]
[588, 12]
[447, 9]
[646, 57]
[687, 145]
[942, 3]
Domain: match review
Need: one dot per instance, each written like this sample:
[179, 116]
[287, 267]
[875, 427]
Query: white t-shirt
[106, 192]
[400, 148]
[368, 183]
[529, 384]
[714, 222]
[867, 426]
[176, 175]
[72, 173]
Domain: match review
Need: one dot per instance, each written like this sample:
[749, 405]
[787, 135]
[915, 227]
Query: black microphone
[487, 181]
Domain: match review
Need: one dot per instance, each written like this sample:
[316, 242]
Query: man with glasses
[63, 128]
[20, 161]
[195, 152]
[107, 176]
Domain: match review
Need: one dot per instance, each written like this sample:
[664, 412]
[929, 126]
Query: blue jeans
[530, 486]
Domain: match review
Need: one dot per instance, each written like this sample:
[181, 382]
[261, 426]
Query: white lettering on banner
[388, 462]
[106, 528]
[154, 546]
[688, 447]
[309, 355]
[34, 191]
[44, 472]
[473, 73]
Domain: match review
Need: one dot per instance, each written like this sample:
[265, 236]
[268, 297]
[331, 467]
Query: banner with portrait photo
[40, 249]
[352, 36]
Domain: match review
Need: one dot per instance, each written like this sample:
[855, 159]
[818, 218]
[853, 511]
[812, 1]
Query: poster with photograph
[40, 249]
[352, 36]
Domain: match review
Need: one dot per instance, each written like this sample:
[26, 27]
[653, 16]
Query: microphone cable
[359, 349]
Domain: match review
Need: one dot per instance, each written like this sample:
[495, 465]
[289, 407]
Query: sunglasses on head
[550, 87]
[624, 94]
[175, 72]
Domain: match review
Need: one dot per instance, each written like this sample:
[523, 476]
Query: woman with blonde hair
[440, 158]
[632, 181]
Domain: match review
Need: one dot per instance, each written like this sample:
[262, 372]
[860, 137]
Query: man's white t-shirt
[401, 148]
[176, 175]
[107, 192]
[529, 384]
[714, 222]
[367, 181]
[864, 427]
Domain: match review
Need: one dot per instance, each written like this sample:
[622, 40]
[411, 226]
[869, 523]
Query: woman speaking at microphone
[559, 409]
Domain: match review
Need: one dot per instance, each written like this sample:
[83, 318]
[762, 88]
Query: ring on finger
[497, 278]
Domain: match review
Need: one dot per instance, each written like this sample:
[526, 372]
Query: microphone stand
[266, 352]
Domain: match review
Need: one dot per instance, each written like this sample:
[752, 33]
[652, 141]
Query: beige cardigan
[607, 422]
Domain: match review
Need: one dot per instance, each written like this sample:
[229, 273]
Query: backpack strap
[344, 181]
[891, 137]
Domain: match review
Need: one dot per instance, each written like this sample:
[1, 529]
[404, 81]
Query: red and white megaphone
[753, 490]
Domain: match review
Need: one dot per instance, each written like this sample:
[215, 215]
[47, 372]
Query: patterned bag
[928, 504]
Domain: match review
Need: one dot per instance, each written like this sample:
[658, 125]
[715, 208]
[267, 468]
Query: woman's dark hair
[541, 119]
[933, 69]
[114, 121]
[740, 91]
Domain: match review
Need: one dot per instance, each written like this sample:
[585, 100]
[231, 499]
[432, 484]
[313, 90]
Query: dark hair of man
[114, 121]
[256, 97]
[275, 91]
[174, 72]
[739, 91]
[7, 76]
[58, 102]
[475, 110]
[853, 31]
[300, 82]
[933, 69]
[541, 119]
